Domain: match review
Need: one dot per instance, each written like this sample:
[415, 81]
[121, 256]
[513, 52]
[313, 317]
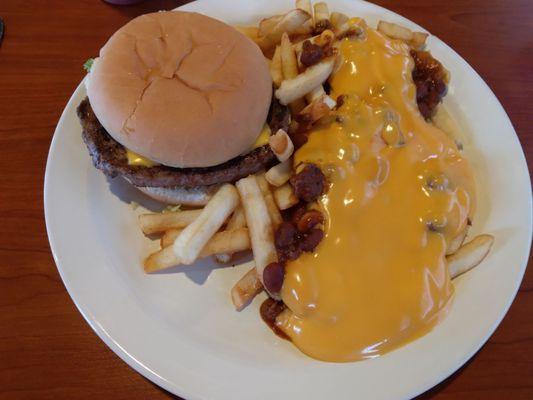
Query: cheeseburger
[177, 104]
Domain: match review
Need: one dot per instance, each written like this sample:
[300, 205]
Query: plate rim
[138, 366]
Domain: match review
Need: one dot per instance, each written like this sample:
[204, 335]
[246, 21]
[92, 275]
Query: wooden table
[47, 350]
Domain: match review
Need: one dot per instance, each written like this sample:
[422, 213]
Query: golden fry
[273, 211]
[194, 237]
[469, 255]
[246, 288]
[304, 5]
[312, 77]
[281, 145]
[222, 242]
[169, 237]
[285, 197]
[321, 12]
[259, 223]
[236, 221]
[279, 174]
[276, 70]
[160, 222]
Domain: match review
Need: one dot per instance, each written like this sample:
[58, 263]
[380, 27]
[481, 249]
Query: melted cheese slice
[262, 139]
[137, 159]
[399, 192]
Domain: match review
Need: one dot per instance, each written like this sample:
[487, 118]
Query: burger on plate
[177, 104]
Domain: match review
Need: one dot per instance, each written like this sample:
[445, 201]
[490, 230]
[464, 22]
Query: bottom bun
[195, 196]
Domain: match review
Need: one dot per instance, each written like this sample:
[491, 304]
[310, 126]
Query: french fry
[337, 19]
[273, 211]
[246, 288]
[305, 30]
[325, 38]
[395, 31]
[304, 5]
[279, 173]
[160, 222]
[282, 319]
[276, 70]
[169, 237]
[353, 27]
[289, 64]
[469, 255]
[322, 40]
[268, 25]
[281, 145]
[315, 94]
[288, 58]
[194, 237]
[250, 31]
[457, 241]
[221, 242]
[259, 224]
[321, 12]
[285, 197]
[271, 29]
[236, 221]
[304, 83]
[317, 109]
[419, 40]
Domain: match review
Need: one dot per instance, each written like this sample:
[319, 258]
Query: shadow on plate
[198, 272]
[127, 193]
[201, 269]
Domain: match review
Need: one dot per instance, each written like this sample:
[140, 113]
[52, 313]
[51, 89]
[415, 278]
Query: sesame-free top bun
[182, 89]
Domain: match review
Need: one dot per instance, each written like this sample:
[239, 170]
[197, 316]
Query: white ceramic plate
[179, 329]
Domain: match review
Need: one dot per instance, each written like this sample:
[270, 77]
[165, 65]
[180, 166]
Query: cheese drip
[399, 192]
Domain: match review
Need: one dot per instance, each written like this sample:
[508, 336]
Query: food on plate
[221, 242]
[194, 237]
[355, 200]
[236, 221]
[259, 224]
[386, 196]
[177, 105]
[160, 222]
[469, 255]
[279, 173]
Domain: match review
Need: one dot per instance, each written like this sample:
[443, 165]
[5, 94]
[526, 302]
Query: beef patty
[110, 156]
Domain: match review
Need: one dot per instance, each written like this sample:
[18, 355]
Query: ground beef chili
[309, 183]
[311, 53]
[309, 220]
[311, 239]
[285, 234]
[430, 78]
[299, 234]
[286, 239]
[269, 310]
[321, 26]
[273, 275]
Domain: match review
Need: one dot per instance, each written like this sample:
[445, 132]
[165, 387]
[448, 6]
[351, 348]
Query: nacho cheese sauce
[399, 191]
